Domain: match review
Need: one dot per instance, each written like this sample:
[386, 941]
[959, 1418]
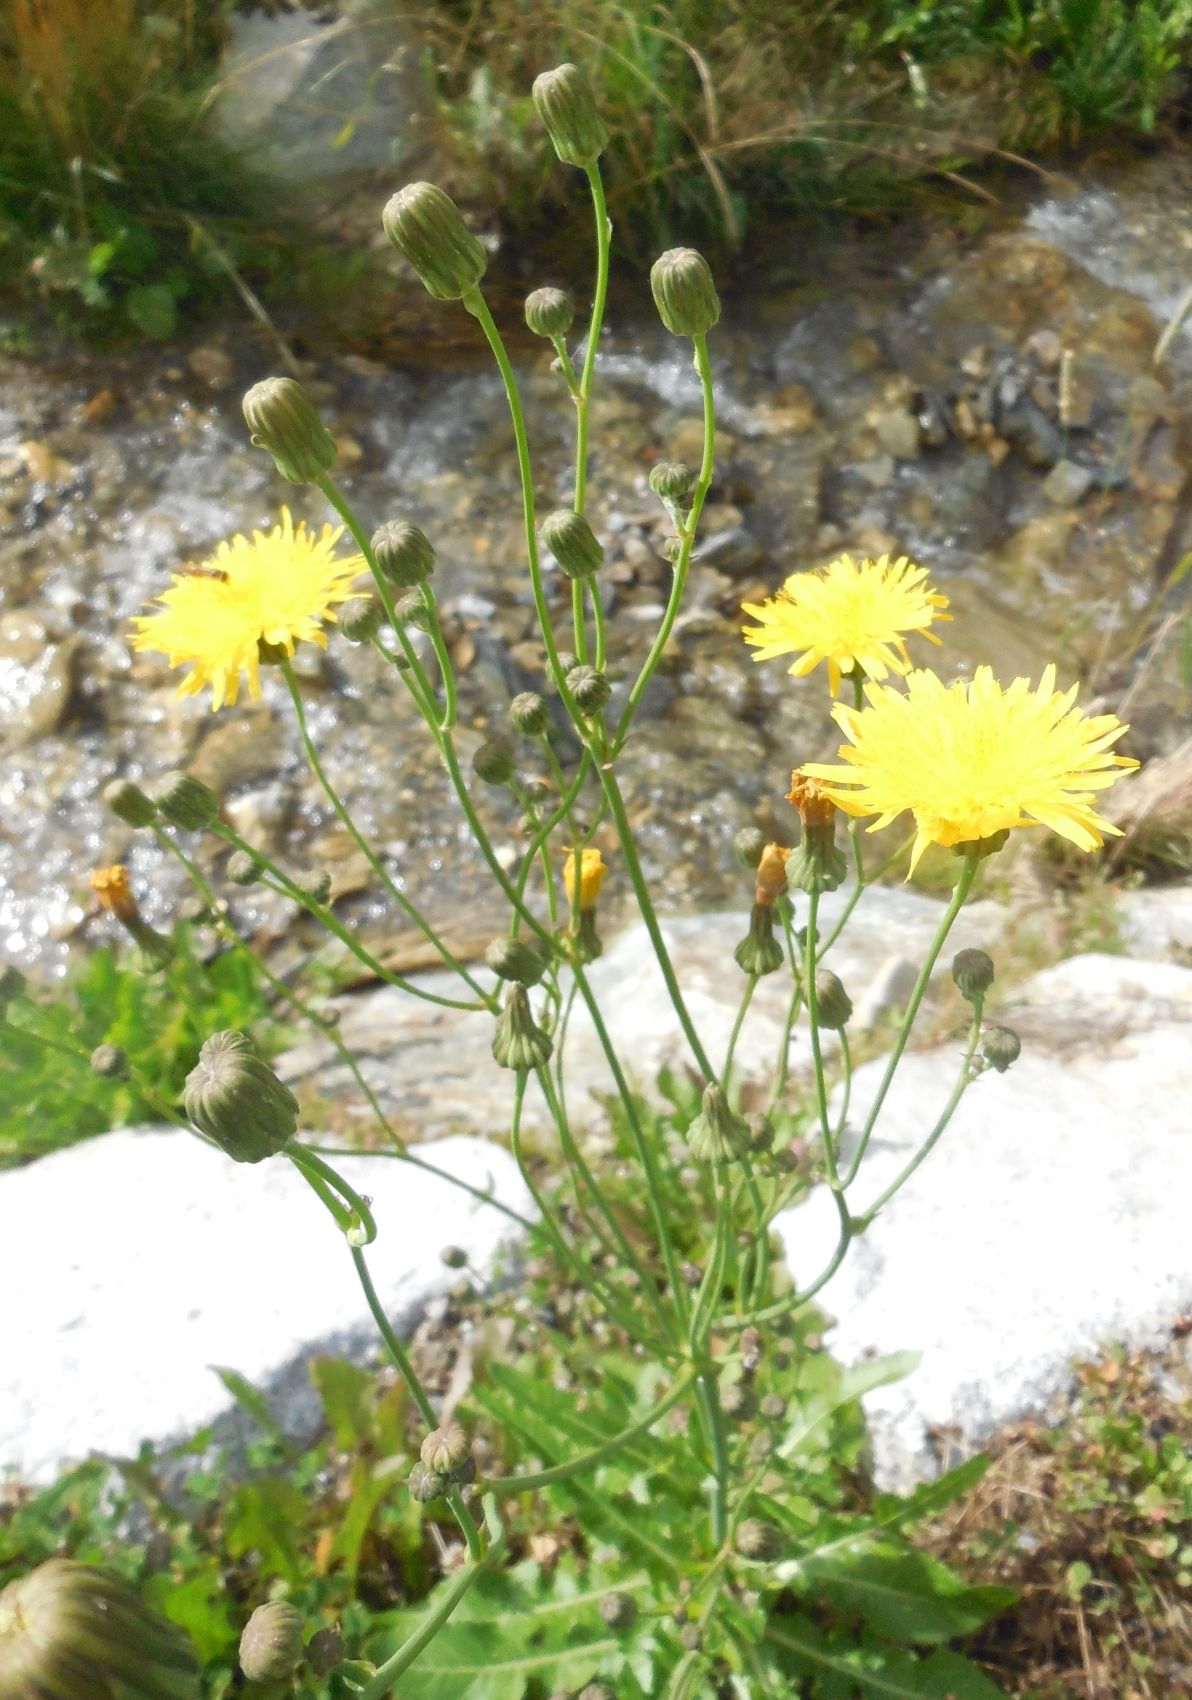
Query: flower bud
[759, 952]
[817, 865]
[282, 419]
[550, 313]
[519, 1043]
[567, 107]
[426, 1485]
[411, 610]
[1000, 1046]
[186, 802]
[759, 1541]
[572, 542]
[243, 869]
[684, 292]
[426, 228]
[834, 1006]
[404, 553]
[325, 1650]
[75, 1632]
[129, 803]
[761, 1131]
[672, 548]
[493, 762]
[12, 986]
[454, 1257]
[529, 714]
[772, 1407]
[738, 1402]
[110, 1062]
[972, 971]
[671, 480]
[361, 621]
[586, 943]
[514, 959]
[237, 1100]
[582, 887]
[590, 688]
[771, 882]
[618, 1610]
[446, 1451]
[271, 1645]
[716, 1135]
[749, 844]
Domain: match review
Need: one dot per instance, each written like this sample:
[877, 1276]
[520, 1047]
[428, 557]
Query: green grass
[49, 1095]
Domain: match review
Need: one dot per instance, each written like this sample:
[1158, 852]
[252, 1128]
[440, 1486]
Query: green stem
[409, 1375]
[817, 1056]
[604, 232]
[713, 1420]
[580, 1466]
[687, 543]
[404, 1155]
[742, 1011]
[358, 839]
[443, 657]
[312, 1166]
[387, 1674]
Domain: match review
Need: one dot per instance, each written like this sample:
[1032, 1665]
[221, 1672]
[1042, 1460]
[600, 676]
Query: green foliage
[723, 114]
[49, 1095]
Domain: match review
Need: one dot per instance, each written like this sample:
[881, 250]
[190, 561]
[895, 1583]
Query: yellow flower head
[111, 887]
[971, 760]
[849, 614]
[273, 588]
[592, 870]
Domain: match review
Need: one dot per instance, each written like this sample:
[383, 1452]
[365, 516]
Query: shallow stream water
[985, 402]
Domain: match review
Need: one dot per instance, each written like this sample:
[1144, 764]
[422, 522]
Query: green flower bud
[772, 1407]
[749, 844]
[75, 1632]
[550, 312]
[361, 621]
[514, 959]
[519, 1042]
[243, 869]
[324, 1651]
[411, 610]
[834, 1004]
[567, 107]
[529, 714]
[110, 1062]
[586, 943]
[567, 662]
[619, 1610]
[12, 986]
[759, 952]
[186, 802]
[684, 292]
[493, 762]
[759, 1541]
[672, 548]
[129, 803]
[572, 542]
[1000, 1046]
[271, 1646]
[670, 480]
[717, 1135]
[426, 228]
[454, 1256]
[237, 1100]
[426, 1485]
[447, 1451]
[816, 863]
[404, 554]
[590, 688]
[972, 971]
[761, 1131]
[282, 419]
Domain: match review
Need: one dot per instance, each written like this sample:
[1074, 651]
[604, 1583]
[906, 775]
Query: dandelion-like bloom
[111, 887]
[971, 760]
[592, 869]
[849, 614]
[274, 589]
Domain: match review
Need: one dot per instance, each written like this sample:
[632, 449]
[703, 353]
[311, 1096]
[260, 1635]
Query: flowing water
[986, 403]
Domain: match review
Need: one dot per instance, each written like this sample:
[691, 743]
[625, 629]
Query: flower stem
[580, 1466]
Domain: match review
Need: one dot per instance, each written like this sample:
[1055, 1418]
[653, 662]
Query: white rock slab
[1157, 921]
[134, 1262]
[1053, 1215]
[433, 1067]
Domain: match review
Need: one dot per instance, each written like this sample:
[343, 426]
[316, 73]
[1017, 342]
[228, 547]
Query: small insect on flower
[972, 760]
[851, 614]
[275, 589]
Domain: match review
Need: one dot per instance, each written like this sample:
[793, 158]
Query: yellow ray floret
[849, 614]
[970, 760]
[277, 587]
